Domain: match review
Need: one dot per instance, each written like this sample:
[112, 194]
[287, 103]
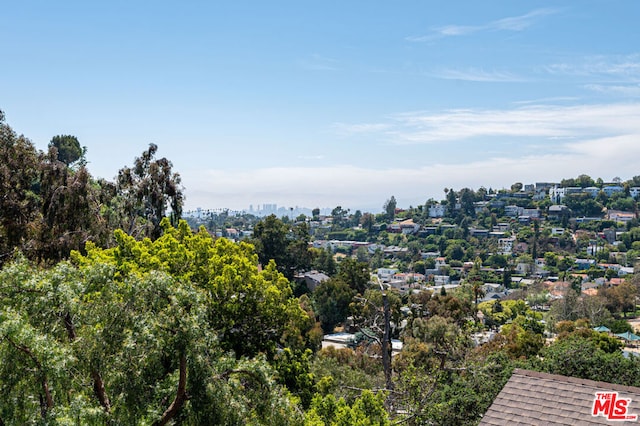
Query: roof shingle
[533, 398]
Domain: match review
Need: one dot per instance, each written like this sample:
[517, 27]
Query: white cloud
[616, 67]
[350, 129]
[511, 23]
[456, 30]
[543, 121]
[546, 142]
[317, 62]
[311, 157]
[367, 188]
[479, 75]
[553, 99]
[522, 22]
[616, 90]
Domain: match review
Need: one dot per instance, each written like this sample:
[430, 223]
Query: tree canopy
[68, 148]
[158, 328]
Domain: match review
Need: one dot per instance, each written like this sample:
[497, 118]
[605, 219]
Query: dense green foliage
[115, 311]
[50, 204]
[146, 322]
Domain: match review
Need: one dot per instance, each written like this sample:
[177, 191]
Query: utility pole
[386, 341]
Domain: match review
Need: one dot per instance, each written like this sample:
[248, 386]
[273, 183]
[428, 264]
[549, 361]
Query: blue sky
[320, 104]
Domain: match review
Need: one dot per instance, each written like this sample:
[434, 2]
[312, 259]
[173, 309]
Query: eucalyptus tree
[19, 200]
[145, 193]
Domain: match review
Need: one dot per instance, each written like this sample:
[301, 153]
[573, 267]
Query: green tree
[146, 191]
[355, 274]
[293, 371]
[339, 215]
[452, 199]
[475, 280]
[148, 326]
[467, 198]
[19, 202]
[287, 245]
[366, 410]
[70, 210]
[577, 356]
[68, 149]
[270, 240]
[389, 208]
[323, 261]
[367, 221]
[620, 298]
[331, 301]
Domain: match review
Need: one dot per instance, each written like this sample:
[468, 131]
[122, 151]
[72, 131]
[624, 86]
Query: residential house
[582, 264]
[437, 210]
[558, 212]
[394, 228]
[385, 274]
[395, 251]
[427, 230]
[533, 398]
[590, 288]
[348, 340]
[429, 254]
[406, 281]
[619, 216]
[523, 268]
[312, 279]
[521, 247]
[409, 227]
[479, 233]
[513, 211]
[531, 213]
[557, 194]
[501, 227]
[610, 190]
[592, 190]
[441, 262]
[481, 206]
[441, 280]
[505, 245]
[624, 270]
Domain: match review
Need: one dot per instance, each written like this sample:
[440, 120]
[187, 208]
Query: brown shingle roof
[532, 398]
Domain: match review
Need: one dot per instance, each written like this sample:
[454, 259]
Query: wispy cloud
[546, 142]
[553, 99]
[311, 157]
[479, 75]
[317, 62]
[616, 67]
[456, 30]
[361, 187]
[522, 22]
[538, 121]
[511, 23]
[360, 128]
[632, 91]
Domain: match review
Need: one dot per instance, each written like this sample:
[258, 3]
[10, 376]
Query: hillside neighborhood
[485, 307]
[505, 228]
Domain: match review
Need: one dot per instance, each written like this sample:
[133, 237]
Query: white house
[437, 210]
